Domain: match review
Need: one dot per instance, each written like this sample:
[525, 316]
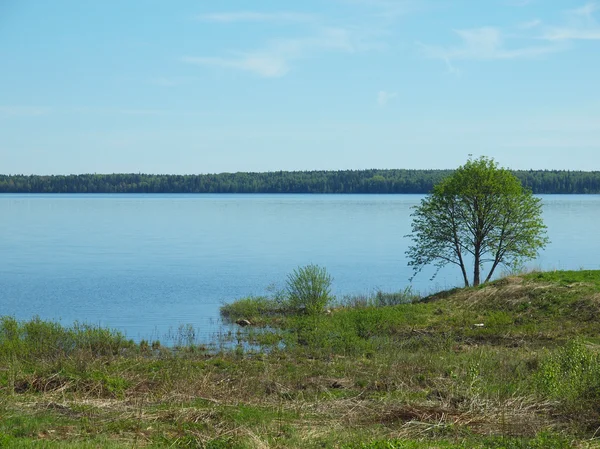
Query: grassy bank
[512, 364]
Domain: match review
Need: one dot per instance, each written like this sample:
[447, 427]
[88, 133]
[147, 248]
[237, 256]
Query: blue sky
[204, 87]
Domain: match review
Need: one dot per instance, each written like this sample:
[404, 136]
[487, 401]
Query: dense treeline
[342, 181]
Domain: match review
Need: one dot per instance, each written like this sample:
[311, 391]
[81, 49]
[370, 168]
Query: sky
[113, 86]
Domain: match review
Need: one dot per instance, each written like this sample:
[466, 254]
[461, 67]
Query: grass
[256, 309]
[511, 364]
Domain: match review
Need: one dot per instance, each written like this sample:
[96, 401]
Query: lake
[146, 264]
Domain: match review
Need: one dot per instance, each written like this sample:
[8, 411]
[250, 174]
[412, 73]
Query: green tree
[309, 289]
[482, 213]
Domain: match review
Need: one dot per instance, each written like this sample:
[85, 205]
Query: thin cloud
[519, 3]
[170, 81]
[165, 81]
[267, 66]
[567, 34]
[485, 43]
[530, 24]
[23, 111]
[274, 60]
[141, 111]
[390, 9]
[581, 25]
[126, 111]
[451, 69]
[586, 10]
[384, 97]
[252, 16]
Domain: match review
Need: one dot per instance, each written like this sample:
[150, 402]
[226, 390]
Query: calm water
[145, 264]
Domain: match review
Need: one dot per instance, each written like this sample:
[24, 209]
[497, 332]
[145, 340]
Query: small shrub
[144, 347]
[572, 374]
[380, 299]
[309, 289]
[360, 301]
[406, 296]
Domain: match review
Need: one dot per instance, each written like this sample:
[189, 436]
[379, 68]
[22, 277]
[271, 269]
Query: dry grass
[420, 372]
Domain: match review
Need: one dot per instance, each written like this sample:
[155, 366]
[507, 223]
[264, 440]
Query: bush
[309, 289]
[406, 296]
[572, 374]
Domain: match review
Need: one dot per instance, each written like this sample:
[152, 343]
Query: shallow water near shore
[150, 265]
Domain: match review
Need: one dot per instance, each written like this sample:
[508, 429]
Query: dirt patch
[510, 293]
[40, 384]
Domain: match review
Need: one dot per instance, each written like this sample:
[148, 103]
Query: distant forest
[342, 181]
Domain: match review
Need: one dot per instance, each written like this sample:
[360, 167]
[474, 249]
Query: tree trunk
[464, 273]
[462, 264]
[476, 280]
[489, 276]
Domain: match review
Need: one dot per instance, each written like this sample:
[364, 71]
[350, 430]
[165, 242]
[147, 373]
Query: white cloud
[485, 43]
[525, 42]
[586, 10]
[384, 97]
[23, 111]
[274, 59]
[252, 16]
[580, 25]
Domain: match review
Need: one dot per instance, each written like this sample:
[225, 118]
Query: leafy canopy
[480, 214]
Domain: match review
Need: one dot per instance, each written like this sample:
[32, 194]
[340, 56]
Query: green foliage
[480, 212]
[341, 181]
[309, 289]
[35, 339]
[572, 374]
[567, 278]
[317, 335]
[541, 441]
[354, 331]
[253, 308]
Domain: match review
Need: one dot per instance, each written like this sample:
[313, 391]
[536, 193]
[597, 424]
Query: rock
[243, 323]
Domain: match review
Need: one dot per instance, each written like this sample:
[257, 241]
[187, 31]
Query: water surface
[145, 264]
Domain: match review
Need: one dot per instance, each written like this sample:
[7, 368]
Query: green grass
[541, 441]
[415, 374]
[256, 309]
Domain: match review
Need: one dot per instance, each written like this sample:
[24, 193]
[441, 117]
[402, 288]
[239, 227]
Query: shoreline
[476, 367]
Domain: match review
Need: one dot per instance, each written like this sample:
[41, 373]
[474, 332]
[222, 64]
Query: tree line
[340, 181]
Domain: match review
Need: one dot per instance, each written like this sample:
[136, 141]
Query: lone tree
[482, 213]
